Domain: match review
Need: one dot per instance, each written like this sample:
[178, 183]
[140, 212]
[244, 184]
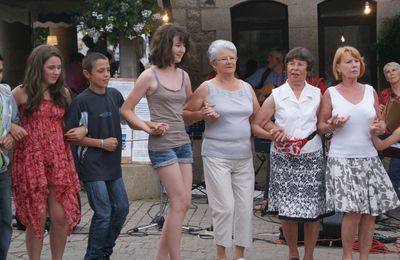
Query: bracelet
[102, 143]
[86, 131]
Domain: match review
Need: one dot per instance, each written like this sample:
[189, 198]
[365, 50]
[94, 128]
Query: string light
[165, 18]
[367, 8]
[342, 39]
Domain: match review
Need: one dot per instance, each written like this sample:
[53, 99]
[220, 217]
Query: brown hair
[34, 76]
[338, 58]
[90, 59]
[161, 44]
[301, 53]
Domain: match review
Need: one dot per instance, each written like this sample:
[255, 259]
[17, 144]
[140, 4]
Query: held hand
[157, 128]
[337, 121]
[17, 132]
[377, 127]
[75, 134]
[110, 144]
[381, 107]
[278, 135]
[7, 142]
[208, 112]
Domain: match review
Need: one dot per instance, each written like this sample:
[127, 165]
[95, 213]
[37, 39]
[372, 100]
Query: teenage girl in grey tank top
[166, 88]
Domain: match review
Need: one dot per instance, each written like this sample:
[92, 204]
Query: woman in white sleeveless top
[227, 104]
[297, 181]
[357, 183]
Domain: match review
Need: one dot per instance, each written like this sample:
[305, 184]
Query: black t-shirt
[100, 114]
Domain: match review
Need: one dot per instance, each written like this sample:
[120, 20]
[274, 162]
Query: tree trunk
[129, 62]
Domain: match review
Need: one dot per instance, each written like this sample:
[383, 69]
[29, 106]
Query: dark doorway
[343, 22]
[258, 26]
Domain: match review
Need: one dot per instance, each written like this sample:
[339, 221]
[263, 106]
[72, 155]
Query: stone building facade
[208, 20]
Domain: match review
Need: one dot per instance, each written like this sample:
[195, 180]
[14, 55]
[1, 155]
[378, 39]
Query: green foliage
[40, 35]
[388, 45]
[129, 18]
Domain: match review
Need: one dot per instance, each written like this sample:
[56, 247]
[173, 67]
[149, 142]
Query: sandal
[260, 205]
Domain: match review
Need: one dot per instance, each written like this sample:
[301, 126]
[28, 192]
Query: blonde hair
[338, 58]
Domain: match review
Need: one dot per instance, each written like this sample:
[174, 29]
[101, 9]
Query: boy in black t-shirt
[99, 155]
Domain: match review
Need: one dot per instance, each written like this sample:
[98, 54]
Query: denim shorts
[162, 158]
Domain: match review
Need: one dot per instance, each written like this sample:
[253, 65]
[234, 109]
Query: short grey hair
[390, 64]
[219, 45]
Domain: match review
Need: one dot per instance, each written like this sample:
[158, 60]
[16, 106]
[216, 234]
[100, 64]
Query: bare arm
[192, 111]
[19, 95]
[68, 95]
[256, 104]
[325, 112]
[383, 144]
[262, 117]
[189, 116]
[108, 144]
[142, 86]
[327, 123]
[379, 123]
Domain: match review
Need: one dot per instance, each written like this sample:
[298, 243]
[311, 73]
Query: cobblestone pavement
[133, 246]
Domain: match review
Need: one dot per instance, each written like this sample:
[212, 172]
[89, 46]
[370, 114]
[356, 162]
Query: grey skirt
[297, 186]
[359, 185]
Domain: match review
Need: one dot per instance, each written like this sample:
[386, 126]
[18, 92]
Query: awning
[12, 14]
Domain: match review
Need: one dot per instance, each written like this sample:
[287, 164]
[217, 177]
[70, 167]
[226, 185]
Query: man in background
[264, 79]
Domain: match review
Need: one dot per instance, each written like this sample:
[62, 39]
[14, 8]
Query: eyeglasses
[226, 59]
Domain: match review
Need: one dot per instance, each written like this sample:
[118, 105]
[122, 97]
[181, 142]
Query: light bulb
[367, 9]
[165, 18]
[342, 38]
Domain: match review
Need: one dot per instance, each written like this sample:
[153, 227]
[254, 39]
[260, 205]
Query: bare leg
[311, 232]
[290, 231]
[349, 228]
[221, 254]
[176, 185]
[58, 227]
[239, 252]
[365, 235]
[34, 245]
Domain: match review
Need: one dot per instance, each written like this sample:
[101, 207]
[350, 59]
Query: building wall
[208, 20]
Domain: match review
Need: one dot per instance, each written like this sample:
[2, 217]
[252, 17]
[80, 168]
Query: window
[345, 18]
[258, 26]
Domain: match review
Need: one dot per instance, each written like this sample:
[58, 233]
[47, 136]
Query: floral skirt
[297, 186]
[359, 185]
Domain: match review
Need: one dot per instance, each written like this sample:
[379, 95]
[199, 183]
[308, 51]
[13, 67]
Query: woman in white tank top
[357, 183]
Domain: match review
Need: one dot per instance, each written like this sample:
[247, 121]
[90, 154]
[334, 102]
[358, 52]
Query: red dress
[41, 159]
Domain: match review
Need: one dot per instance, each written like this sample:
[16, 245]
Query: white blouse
[298, 117]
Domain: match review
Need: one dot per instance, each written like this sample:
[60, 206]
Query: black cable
[269, 220]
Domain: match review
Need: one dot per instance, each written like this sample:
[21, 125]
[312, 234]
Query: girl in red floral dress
[44, 176]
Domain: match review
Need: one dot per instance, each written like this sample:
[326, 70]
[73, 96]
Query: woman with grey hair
[227, 105]
[386, 99]
[297, 183]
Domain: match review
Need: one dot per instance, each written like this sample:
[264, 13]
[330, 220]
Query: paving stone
[132, 247]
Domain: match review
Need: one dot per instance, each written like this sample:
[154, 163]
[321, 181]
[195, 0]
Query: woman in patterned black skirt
[297, 184]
